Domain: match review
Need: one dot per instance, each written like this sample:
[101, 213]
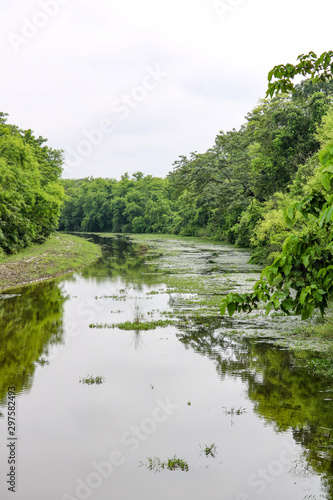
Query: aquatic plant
[89, 380]
[234, 411]
[156, 464]
[129, 325]
[138, 315]
[209, 450]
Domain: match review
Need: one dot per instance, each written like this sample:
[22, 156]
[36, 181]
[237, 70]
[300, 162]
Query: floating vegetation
[209, 451]
[323, 367]
[189, 403]
[89, 380]
[114, 297]
[148, 325]
[101, 325]
[156, 464]
[129, 325]
[234, 411]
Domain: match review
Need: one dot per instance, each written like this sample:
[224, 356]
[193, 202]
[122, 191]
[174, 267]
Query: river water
[240, 413]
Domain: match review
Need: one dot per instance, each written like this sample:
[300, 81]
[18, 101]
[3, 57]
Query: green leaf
[287, 304]
[322, 218]
[305, 259]
[305, 313]
[322, 272]
[325, 179]
[287, 268]
[290, 213]
[231, 308]
[317, 296]
[303, 296]
[269, 307]
[223, 306]
[237, 298]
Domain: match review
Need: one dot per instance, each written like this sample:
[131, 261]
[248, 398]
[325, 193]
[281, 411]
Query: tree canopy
[31, 194]
[300, 278]
[264, 186]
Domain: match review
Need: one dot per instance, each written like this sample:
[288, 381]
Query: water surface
[166, 392]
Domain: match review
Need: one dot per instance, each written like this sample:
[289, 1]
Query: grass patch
[322, 367]
[129, 325]
[318, 338]
[323, 330]
[58, 255]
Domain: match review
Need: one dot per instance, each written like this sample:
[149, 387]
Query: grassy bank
[319, 337]
[60, 254]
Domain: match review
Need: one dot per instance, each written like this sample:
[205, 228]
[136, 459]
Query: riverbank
[60, 254]
[318, 338]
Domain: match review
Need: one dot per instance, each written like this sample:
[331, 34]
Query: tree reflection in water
[30, 323]
[284, 395]
[282, 392]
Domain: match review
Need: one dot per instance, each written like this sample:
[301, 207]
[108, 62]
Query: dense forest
[235, 192]
[31, 193]
[267, 186]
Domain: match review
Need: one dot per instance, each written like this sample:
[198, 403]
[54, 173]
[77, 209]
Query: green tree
[300, 278]
[31, 194]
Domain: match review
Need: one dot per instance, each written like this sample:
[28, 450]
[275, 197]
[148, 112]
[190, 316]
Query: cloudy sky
[130, 85]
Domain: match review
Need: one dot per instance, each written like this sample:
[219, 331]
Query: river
[112, 377]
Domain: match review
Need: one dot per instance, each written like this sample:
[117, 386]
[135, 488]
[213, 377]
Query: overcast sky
[130, 85]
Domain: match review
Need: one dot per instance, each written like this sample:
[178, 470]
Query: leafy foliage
[140, 205]
[222, 193]
[238, 191]
[31, 195]
[319, 68]
[300, 278]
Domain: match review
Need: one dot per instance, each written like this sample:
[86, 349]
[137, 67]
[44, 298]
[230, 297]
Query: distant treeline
[236, 191]
[31, 193]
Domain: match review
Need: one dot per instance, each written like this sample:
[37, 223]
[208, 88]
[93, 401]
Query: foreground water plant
[89, 380]
[234, 411]
[209, 451]
[156, 464]
[130, 325]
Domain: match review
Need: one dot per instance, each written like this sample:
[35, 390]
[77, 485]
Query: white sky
[129, 85]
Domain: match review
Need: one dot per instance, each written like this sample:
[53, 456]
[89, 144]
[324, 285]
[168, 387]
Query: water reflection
[137, 341]
[121, 258]
[284, 395]
[31, 317]
[30, 322]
